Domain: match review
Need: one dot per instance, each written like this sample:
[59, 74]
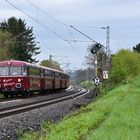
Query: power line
[42, 25]
[84, 26]
[46, 13]
[75, 51]
[35, 20]
[56, 20]
[76, 40]
[83, 34]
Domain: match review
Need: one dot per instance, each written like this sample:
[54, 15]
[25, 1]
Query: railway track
[3, 99]
[13, 110]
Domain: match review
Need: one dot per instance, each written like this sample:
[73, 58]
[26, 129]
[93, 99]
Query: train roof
[15, 63]
[23, 63]
[47, 68]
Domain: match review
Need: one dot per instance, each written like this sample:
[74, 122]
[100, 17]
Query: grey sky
[123, 17]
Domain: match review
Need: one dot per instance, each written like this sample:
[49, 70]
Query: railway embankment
[114, 116]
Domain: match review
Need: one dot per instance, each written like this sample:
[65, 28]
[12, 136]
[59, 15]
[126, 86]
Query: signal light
[95, 48]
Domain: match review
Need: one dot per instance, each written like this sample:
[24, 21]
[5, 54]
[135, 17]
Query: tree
[4, 44]
[22, 46]
[137, 48]
[51, 64]
[83, 75]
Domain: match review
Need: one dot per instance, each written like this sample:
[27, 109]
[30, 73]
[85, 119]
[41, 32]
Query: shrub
[87, 84]
[125, 64]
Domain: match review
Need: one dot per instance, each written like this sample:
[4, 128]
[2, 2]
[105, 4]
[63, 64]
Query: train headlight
[19, 80]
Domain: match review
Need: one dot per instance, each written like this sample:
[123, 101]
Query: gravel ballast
[11, 127]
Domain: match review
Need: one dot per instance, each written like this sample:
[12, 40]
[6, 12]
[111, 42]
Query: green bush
[125, 64]
[87, 84]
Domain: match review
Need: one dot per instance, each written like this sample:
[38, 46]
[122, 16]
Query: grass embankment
[115, 116]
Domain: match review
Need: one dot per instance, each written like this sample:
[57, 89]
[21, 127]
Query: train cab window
[24, 71]
[15, 70]
[4, 71]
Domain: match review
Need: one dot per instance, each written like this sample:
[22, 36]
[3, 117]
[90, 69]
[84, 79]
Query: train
[24, 78]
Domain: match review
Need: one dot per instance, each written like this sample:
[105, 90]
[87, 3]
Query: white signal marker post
[105, 74]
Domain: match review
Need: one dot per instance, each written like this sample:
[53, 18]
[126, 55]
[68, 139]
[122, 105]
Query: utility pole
[50, 60]
[106, 60]
[108, 46]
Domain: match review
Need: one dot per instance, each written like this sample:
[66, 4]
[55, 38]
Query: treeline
[124, 65]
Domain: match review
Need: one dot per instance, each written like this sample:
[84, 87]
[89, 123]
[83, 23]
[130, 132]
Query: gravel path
[11, 126]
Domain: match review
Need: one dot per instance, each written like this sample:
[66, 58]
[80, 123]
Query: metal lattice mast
[108, 46]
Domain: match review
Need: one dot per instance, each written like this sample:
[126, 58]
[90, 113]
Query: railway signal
[97, 81]
[95, 48]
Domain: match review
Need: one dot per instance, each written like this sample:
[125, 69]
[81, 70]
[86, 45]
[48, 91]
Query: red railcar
[19, 77]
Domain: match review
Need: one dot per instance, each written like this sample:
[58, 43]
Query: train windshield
[4, 71]
[13, 71]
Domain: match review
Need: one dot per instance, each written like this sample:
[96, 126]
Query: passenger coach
[19, 77]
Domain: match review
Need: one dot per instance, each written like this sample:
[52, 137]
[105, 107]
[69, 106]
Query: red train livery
[19, 77]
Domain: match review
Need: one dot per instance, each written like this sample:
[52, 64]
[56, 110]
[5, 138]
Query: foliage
[137, 48]
[22, 46]
[125, 64]
[5, 36]
[114, 116]
[87, 84]
[51, 64]
[83, 75]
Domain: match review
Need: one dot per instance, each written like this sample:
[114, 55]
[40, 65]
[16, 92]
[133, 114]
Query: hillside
[114, 116]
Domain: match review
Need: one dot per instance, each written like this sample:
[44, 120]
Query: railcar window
[57, 75]
[15, 70]
[4, 71]
[48, 73]
[34, 71]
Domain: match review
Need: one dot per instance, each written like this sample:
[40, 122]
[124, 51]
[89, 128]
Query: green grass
[123, 123]
[115, 116]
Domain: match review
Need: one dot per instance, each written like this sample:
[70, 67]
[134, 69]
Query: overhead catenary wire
[56, 20]
[35, 20]
[97, 27]
[42, 25]
[83, 34]
[46, 13]
[53, 18]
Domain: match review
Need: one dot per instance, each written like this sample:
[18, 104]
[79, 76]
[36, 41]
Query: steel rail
[35, 105]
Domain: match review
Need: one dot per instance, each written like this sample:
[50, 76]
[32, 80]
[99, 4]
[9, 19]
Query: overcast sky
[51, 20]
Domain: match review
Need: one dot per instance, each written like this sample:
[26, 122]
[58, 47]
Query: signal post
[94, 50]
